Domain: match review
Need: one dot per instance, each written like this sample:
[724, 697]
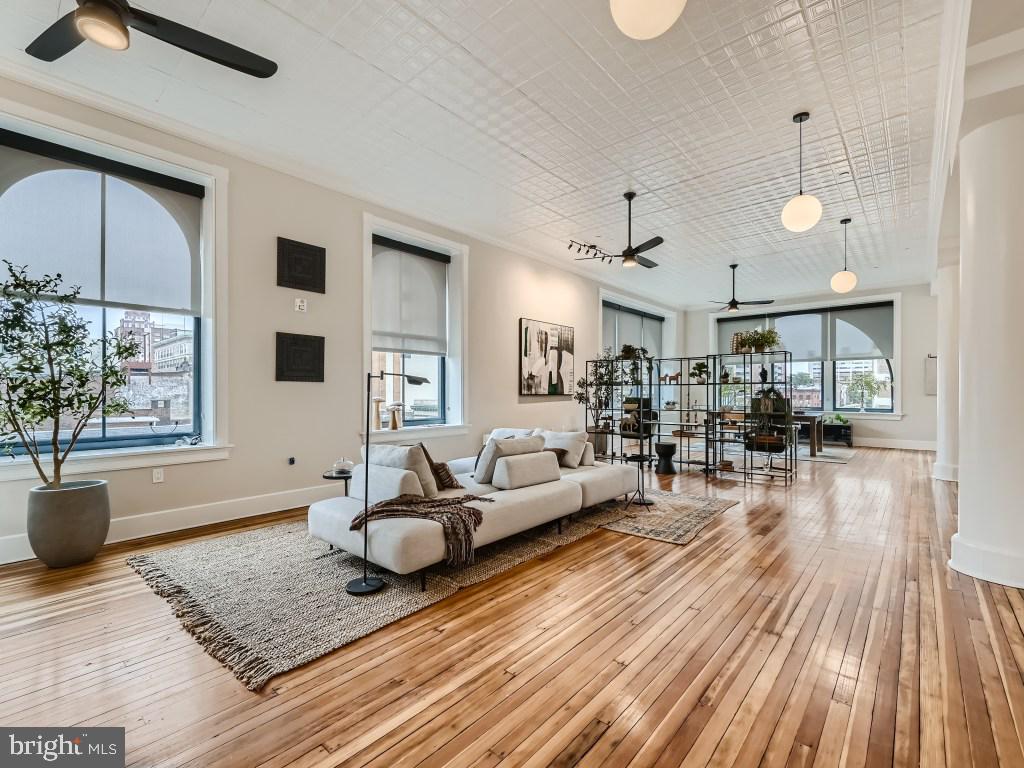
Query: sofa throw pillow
[574, 444]
[442, 475]
[495, 449]
[559, 454]
[502, 433]
[408, 457]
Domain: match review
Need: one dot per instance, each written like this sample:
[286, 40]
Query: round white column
[990, 542]
[947, 446]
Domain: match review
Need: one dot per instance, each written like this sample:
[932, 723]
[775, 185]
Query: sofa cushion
[522, 471]
[385, 483]
[470, 485]
[401, 544]
[443, 476]
[602, 482]
[496, 448]
[524, 508]
[410, 457]
[574, 443]
[588, 459]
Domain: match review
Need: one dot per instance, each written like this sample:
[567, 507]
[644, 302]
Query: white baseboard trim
[889, 442]
[947, 472]
[16, 547]
[986, 563]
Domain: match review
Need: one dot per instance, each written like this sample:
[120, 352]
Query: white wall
[316, 423]
[917, 426]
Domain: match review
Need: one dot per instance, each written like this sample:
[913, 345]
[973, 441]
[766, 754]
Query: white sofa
[527, 490]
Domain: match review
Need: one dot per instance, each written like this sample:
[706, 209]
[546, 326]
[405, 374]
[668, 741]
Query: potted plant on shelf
[762, 340]
[770, 410]
[595, 391]
[54, 378]
[699, 372]
[635, 356]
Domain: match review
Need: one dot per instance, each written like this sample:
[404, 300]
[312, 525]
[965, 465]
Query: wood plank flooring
[811, 626]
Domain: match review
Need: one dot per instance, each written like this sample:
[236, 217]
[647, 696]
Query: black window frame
[105, 167]
[835, 387]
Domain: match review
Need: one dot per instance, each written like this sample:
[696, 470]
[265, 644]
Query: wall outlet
[300, 305]
[291, 461]
[158, 475]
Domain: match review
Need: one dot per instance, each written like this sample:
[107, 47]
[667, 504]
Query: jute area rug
[266, 601]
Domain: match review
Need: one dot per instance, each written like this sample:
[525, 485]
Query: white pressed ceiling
[523, 121]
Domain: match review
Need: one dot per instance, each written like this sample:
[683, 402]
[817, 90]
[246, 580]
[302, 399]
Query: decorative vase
[68, 525]
[724, 378]
[394, 420]
[764, 375]
[376, 414]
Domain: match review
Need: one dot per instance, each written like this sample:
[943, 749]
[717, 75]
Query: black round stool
[665, 453]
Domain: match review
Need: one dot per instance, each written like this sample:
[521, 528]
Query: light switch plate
[300, 305]
[158, 474]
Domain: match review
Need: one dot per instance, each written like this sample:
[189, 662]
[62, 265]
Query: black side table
[333, 474]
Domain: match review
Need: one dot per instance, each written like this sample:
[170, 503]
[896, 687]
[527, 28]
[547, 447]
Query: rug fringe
[251, 669]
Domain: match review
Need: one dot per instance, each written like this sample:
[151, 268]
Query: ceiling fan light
[844, 282]
[102, 25]
[801, 213]
[645, 19]
[629, 261]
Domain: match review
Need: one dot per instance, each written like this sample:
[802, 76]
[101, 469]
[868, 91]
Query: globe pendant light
[803, 211]
[646, 19]
[845, 281]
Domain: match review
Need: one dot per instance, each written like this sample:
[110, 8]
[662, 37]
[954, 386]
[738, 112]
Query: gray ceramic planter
[68, 525]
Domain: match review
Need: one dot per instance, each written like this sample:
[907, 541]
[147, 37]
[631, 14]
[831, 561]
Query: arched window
[131, 240]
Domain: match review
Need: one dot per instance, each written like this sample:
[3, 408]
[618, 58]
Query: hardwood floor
[812, 626]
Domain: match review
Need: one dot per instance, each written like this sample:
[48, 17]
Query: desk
[816, 427]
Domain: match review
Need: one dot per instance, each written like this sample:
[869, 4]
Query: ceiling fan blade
[60, 38]
[201, 44]
[654, 242]
[643, 261]
[763, 301]
[716, 301]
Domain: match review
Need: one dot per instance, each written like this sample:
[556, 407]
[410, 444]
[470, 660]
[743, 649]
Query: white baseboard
[987, 563]
[16, 547]
[889, 442]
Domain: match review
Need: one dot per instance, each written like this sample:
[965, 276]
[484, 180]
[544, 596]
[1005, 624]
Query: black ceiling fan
[630, 256]
[106, 22]
[734, 306]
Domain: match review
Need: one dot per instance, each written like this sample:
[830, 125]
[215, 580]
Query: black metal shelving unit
[685, 422]
[740, 428]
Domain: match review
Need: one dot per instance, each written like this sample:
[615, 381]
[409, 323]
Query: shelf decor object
[844, 281]
[803, 211]
[366, 584]
[300, 357]
[301, 266]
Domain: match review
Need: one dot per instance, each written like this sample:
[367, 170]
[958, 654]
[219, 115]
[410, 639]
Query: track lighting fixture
[845, 281]
[803, 211]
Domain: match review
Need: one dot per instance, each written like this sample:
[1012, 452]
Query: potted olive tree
[54, 378]
[595, 391]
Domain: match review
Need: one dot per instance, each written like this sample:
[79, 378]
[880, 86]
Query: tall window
[410, 328]
[842, 356]
[130, 238]
[625, 325]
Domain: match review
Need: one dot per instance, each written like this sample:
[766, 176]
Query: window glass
[420, 404]
[863, 385]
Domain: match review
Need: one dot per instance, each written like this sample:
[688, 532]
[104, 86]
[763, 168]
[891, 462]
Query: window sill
[857, 416]
[417, 433]
[97, 461]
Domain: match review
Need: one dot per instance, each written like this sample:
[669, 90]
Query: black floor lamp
[367, 584]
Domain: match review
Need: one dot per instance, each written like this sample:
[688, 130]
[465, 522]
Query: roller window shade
[862, 333]
[608, 332]
[624, 325]
[726, 329]
[410, 302]
[125, 242]
[652, 332]
[804, 335]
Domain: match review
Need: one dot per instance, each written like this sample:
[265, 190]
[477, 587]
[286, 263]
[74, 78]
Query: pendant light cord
[844, 249]
[801, 157]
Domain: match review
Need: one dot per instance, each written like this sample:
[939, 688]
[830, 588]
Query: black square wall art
[301, 266]
[299, 357]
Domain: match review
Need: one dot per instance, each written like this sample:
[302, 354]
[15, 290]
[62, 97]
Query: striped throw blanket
[458, 521]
